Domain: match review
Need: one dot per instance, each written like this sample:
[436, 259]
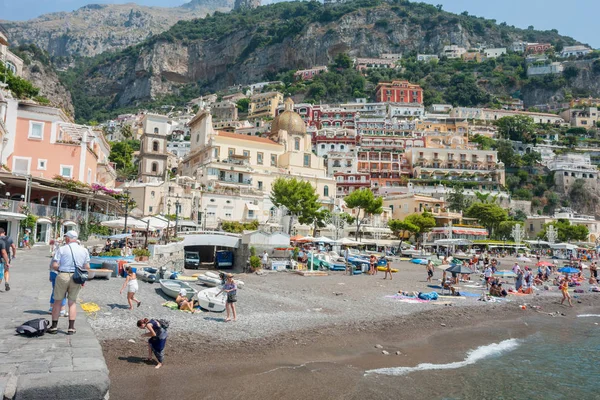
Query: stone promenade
[53, 366]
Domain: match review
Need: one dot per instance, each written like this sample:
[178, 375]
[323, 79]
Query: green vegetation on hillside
[21, 88]
[283, 22]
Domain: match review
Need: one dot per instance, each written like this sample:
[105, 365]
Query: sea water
[560, 361]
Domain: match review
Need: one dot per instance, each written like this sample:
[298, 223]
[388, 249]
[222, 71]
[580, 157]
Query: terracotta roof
[239, 136]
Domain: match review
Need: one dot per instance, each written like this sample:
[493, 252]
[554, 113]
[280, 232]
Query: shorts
[430, 273]
[65, 285]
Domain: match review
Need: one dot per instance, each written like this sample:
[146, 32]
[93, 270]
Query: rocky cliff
[243, 47]
[39, 70]
[97, 28]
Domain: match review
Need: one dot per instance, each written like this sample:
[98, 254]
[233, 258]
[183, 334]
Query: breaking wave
[472, 357]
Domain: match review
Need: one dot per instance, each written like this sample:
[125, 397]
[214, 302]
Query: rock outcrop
[97, 28]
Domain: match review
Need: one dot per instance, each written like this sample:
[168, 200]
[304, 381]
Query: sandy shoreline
[328, 362]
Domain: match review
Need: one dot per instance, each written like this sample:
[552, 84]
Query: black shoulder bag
[81, 274]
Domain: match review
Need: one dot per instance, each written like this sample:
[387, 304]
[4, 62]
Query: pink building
[307, 74]
[46, 144]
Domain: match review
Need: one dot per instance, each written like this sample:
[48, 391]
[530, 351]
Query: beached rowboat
[208, 300]
[208, 281]
[172, 287]
[147, 274]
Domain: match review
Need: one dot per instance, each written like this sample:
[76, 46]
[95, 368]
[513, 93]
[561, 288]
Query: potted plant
[141, 254]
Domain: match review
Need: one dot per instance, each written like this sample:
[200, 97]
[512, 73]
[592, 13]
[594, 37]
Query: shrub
[141, 252]
[255, 262]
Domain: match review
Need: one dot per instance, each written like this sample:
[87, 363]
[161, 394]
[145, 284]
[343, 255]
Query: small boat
[212, 274]
[186, 278]
[171, 288]
[208, 281]
[147, 274]
[208, 300]
[100, 273]
[420, 261]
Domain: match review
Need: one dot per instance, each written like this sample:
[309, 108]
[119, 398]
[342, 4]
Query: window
[11, 67]
[36, 130]
[227, 215]
[216, 152]
[322, 146]
[246, 153]
[273, 160]
[150, 209]
[326, 191]
[154, 167]
[260, 185]
[197, 137]
[89, 175]
[155, 145]
[21, 165]
[155, 130]
[250, 213]
[66, 171]
[231, 152]
[259, 158]
[342, 147]
[297, 144]
[42, 164]
[307, 160]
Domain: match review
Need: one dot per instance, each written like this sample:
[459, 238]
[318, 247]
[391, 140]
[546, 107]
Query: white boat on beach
[171, 288]
[208, 300]
[208, 281]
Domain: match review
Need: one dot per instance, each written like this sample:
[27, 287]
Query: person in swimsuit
[131, 284]
[564, 288]
[429, 269]
[158, 339]
[183, 303]
[373, 263]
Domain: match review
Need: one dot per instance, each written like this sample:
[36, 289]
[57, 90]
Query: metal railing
[44, 211]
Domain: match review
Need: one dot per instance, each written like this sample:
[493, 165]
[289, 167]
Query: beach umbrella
[322, 239]
[569, 270]
[524, 259]
[505, 274]
[544, 264]
[460, 269]
[296, 238]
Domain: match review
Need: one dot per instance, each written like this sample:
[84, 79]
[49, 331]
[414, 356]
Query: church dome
[289, 121]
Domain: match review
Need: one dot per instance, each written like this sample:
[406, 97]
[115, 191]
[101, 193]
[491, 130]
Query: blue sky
[578, 18]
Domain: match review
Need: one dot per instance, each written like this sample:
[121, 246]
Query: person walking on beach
[348, 265]
[429, 269]
[594, 270]
[26, 240]
[231, 289]
[373, 263]
[487, 275]
[564, 288]
[132, 287]
[11, 248]
[388, 268]
[158, 338]
[66, 259]
[519, 280]
[4, 265]
[265, 260]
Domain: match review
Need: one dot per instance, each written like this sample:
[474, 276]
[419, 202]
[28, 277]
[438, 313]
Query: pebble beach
[285, 319]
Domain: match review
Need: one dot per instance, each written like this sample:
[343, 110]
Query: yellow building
[264, 105]
[403, 205]
[443, 125]
[248, 165]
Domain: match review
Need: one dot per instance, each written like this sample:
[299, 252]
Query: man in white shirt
[265, 259]
[64, 261]
[487, 274]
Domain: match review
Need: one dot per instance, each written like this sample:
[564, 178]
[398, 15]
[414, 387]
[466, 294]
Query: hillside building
[12, 62]
[399, 92]
[308, 74]
[537, 48]
[371, 63]
[575, 51]
[546, 69]
[427, 57]
[586, 117]
[453, 51]
[494, 53]
[264, 105]
[567, 168]
[489, 114]
[224, 111]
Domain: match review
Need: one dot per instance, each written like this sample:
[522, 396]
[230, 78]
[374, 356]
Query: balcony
[353, 183]
[243, 181]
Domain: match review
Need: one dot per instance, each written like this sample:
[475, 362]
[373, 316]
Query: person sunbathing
[183, 303]
[497, 291]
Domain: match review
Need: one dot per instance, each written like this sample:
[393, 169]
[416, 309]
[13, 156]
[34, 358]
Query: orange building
[399, 92]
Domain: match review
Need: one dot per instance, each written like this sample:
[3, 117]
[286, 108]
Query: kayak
[385, 269]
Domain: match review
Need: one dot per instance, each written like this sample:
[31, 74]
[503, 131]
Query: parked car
[192, 259]
[224, 259]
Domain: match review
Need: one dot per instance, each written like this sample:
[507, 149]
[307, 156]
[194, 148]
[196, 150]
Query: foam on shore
[473, 356]
[588, 315]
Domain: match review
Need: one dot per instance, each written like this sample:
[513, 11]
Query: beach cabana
[322, 239]
[348, 242]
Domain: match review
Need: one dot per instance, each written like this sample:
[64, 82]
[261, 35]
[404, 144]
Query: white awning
[69, 223]
[252, 207]
[6, 215]
[43, 221]
[212, 239]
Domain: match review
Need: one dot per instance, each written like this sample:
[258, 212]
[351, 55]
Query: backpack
[34, 328]
[164, 324]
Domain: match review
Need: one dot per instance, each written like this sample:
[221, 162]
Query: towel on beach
[407, 299]
[171, 304]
